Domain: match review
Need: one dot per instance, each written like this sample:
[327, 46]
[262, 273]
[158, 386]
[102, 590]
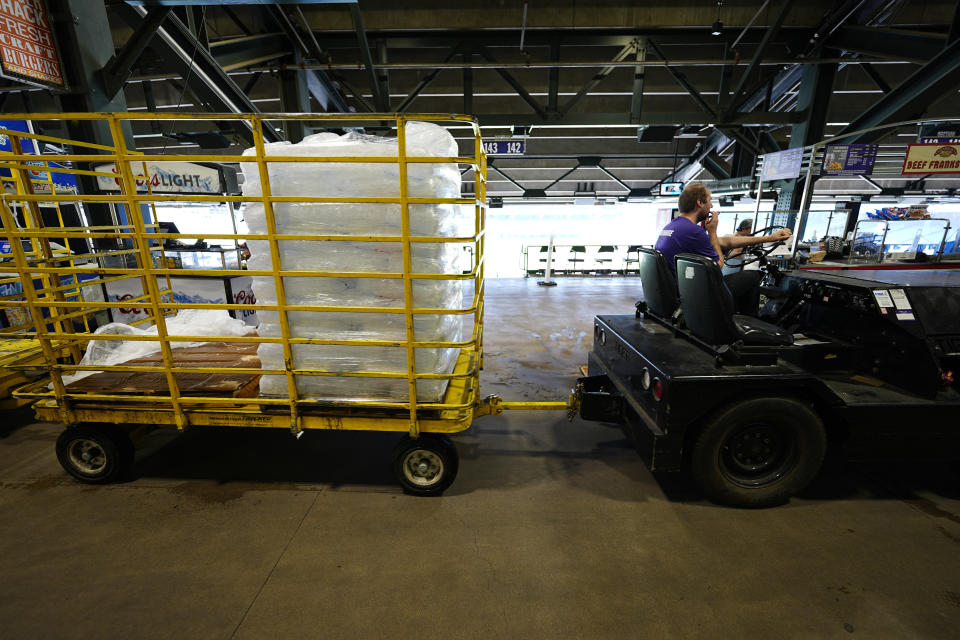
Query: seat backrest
[634, 247]
[659, 285]
[706, 302]
[578, 248]
[606, 249]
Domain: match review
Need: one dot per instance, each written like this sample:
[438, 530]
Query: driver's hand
[712, 222]
[782, 234]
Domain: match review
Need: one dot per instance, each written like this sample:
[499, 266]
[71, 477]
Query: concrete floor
[552, 530]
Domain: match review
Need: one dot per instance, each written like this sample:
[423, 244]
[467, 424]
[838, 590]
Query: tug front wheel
[759, 452]
[425, 466]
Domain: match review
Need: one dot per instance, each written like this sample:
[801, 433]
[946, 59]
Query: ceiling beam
[553, 82]
[246, 51]
[721, 122]
[381, 101]
[236, 20]
[874, 75]
[542, 38]
[516, 86]
[639, 75]
[756, 118]
[916, 46]
[627, 49]
[115, 73]
[319, 84]
[205, 76]
[768, 36]
[912, 97]
[954, 32]
[783, 81]
[716, 166]
[423, 84]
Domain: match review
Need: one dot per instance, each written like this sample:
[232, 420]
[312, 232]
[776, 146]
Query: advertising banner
[44, 182]
[931, 158]
[28, 52]
[120, 290]
[242, 288]
[15, 317]
[165, 177]
[782, 165]
[185, 290]
[848, 159]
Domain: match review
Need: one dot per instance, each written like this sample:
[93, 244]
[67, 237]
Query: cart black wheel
[95, 455]
[427, 465]
[759, 452]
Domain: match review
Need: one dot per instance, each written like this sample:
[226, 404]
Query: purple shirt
[684, 236]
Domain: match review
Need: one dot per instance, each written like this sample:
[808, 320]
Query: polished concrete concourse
[553, 529]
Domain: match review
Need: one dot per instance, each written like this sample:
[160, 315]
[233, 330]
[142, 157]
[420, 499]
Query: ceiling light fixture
[717, 28]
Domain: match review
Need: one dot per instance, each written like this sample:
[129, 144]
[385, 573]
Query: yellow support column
[145, 259]
[407, 270]
[275, 263]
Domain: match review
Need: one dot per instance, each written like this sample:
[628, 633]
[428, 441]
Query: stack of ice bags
[341, 179]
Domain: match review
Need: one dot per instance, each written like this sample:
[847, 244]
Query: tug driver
[685, 234]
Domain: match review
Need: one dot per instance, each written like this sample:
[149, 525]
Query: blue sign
[62, 182]
[15, 125]
[505, 147]
[782, 165]
[5, 247]
[848, 159]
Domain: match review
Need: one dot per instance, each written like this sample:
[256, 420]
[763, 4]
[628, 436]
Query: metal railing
[589, 259]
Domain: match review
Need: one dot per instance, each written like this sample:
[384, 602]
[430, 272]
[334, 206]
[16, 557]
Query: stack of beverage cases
[364, 180]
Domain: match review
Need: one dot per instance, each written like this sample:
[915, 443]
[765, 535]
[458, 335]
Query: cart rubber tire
[759, 452]
[95, 455]
[425, 466]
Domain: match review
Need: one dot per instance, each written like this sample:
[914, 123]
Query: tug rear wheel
[759, 452]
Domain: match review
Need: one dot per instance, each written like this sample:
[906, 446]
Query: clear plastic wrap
[341, 179]
[189, 322]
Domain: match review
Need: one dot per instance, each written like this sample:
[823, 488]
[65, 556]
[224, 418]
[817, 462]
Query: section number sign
[505, 147]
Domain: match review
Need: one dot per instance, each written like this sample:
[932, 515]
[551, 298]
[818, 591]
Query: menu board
[782, 165]
[28, 51]
[848, 159]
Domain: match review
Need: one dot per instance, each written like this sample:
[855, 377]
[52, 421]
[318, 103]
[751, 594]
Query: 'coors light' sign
[165, 177]
[28, 52]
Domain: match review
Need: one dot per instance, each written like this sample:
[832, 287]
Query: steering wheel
[749, 255]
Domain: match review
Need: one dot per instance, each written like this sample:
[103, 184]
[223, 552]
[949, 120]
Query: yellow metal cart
[192, 389]
[27, 356]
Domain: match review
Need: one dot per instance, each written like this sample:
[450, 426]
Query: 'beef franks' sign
[932, 158]
[28, 52]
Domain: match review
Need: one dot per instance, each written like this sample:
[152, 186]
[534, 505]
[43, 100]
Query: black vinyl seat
[708, 308]
[659, 285]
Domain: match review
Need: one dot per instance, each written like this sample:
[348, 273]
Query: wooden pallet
[214, 354]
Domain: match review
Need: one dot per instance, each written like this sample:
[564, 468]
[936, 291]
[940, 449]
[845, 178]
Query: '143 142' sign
[504, 147]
